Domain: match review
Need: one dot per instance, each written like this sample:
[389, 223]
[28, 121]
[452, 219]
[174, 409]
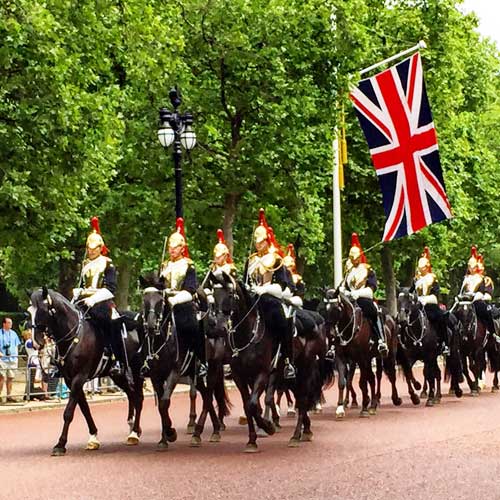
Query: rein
[230, 334]
[417, 342]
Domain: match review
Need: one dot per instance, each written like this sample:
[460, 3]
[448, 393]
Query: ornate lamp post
[175, 128]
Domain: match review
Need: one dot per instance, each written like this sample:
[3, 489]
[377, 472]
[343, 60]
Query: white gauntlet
[428, 299]
[99, 296]
[270, 288]
[180, 298]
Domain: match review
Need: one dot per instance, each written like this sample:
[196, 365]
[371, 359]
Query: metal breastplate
[424, 284]
[357, 277]
[93, 272]
[261, 268]
[174, 273]
[471, 283]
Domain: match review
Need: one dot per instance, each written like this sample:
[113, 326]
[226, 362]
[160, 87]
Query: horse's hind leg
[270, 402]
[350, 386]
[253, 404]
[379, 371]
[374, 400]
[437, 398]
[389, 365]
[295, 439]
[251, 446]
[192, 408]
[341, 369]
[363, 385]
[69, 412]
[429, 381]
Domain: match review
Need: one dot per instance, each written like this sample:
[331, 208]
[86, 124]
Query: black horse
[81, 355]
[419, 341]
[167, 358]
[351, 335]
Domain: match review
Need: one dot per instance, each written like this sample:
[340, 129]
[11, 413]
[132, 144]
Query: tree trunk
[230, 205]
[389, 279]
[68, 277]
[122, 289]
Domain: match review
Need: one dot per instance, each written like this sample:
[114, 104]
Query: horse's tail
[222, 397]
[453, 366]
[327, 373]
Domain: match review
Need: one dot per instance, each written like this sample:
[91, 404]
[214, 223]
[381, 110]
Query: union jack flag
[395, 116]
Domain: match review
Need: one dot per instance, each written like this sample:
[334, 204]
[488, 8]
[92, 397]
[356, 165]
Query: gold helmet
[221, 248]
[94, 239]
[178, 237]
[289, 259]
[356, 252]
[473, 262]
[261, 232]
[424, 262]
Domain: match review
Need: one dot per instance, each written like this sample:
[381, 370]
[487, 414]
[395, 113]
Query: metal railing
[32, 382]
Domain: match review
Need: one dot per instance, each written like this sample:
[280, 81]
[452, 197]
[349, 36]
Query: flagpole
[337, 232]
[420, 45]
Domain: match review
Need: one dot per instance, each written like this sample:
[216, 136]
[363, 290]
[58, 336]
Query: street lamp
[175, 128]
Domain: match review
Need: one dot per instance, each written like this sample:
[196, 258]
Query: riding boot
[443, 336]
[378, 330]
[199, 351]
[289, 371]
[121, 366]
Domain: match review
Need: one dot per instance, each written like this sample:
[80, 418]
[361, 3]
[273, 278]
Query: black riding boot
[121, 367]
[289, 371]
[200, 353]
[443, 336]
[378, 330]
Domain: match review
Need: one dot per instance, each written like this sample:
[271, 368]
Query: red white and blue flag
[396, 118]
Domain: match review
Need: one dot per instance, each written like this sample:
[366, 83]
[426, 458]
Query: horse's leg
[258, 388]
[270, 403]
[437, 371]
[372, 410]
[341, 369]
[350, 386]
[158, 386]
[200, 425]
[93, 443]
[192, 408]
[251, 446]
[429, 381]
[290, 412]
[363, 385]
[379, 371]
[466, 361]
[75, 394]
[295, 439]
[389, 365]
[307, 434]
[170, 434]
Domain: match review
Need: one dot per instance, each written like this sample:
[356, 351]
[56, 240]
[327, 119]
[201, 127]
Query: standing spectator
[34, 372]
[9, 342]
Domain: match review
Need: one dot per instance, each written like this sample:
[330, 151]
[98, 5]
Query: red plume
[179, 224]
[220, 237]
[94, 222]
[291, 251]
[262, 218]
[473, 252]
[480, 260]
[427, 254]
[355, 243]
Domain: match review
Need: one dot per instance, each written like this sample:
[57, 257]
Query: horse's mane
[56, 297]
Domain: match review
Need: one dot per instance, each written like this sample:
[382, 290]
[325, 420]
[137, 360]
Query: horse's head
[153, 304]
[223, 303]
[42, 311]
[333, 305]
[406, 303]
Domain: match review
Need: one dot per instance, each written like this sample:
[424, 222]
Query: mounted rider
[96, 292]
[359, 284]
[426, 286]
[266, 276]
[478, 288]
[222, 262]
[179, 284]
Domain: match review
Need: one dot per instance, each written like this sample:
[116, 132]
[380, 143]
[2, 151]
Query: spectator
[9, 343]
[34, 372]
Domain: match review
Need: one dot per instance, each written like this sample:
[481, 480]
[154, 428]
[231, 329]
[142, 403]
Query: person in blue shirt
[9, 343]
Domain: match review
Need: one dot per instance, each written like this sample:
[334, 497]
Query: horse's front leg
[373, 393]
[341, 383]
[136, 398]
[363, 385]
[437, 371]
[258, 388]
[75, 394]
[192, 408]
[429, 381]
[270, 401]
[379, 371]
[251, 446]
[389, 365]
[350, 387]
[169, 434]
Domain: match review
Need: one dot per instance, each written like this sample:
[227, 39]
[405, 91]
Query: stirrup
[382, 347]
[202, 370]
[330, 354]
[445, 350]
[289, 371]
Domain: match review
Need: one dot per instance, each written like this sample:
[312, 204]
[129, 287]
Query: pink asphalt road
[449, 451]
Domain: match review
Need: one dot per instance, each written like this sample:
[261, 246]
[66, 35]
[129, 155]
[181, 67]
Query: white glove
[287, 294]
[366, 293]
[295, 301]
[210, 295]
[354, 294]
[180, 298]
[270, 288]
[428, 299]
[99, 296]
[478, 296]
[76, 293]
[487, 297]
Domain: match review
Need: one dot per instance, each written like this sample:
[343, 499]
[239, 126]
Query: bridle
[407, 326]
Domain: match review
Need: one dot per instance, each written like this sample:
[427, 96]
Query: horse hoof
[93, 443]
[172, 435]
[451, 392]
[162, 446]
[415, 399]
[222, 427]
[397, 401]
[58, 452]
[214, 438]
[423, 394]
[242, 421]
[293, 443]
[372, 411]
[417, 385]
[195, 442]
[261, 433]
[429, 402]
[364, 414]
[290, 412]
[437, 401]
[494, 389]
[190, 429]
[307, 437]
[268, 427]
[251, 448]
[132, 439]
[459, 393]
[340, 415]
